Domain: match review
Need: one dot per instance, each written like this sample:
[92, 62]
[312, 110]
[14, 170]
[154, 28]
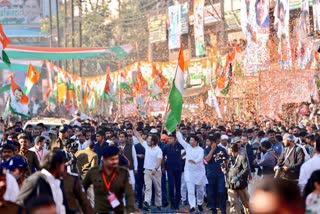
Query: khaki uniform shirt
[77, 199]
[32, 160]
[120, 186]
[9, 207]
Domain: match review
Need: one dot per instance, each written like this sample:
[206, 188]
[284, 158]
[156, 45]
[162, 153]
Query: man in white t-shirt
[152, 169]
[310, 166]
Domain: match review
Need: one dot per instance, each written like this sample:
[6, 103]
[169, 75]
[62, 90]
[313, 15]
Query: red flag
[3, 38]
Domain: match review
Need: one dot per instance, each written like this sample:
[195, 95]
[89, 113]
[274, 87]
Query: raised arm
[139, 137]
[182, 142]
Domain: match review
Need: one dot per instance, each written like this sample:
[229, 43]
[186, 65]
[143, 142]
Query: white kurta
[194, 173]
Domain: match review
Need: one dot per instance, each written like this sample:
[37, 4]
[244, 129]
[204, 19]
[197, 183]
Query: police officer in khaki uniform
[86, 159]
[110, 184]
[76, 197]
[61, 142]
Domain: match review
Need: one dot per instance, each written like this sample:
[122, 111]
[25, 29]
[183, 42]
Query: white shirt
[12, 190]
[56, 191]
[194, 173]
[135, 140]
[307, 169]
[82, 146]
[151, 156]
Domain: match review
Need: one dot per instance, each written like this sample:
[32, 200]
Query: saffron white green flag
[6, 110]
[176, 95]
[18, 100]
[32, 78]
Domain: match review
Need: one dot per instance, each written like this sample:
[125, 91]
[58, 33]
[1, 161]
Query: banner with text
[198, 27]
[157, 28]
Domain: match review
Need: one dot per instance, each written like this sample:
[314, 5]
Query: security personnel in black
[173, 165]
[139, 177]
[216, 159]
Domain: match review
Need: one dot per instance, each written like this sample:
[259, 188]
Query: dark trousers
[164, 188]
[139, 177]
[216, 193]
[174, 180]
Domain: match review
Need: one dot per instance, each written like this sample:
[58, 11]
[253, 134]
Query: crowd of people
[137, 166]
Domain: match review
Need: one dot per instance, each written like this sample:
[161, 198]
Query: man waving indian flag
[176, 95]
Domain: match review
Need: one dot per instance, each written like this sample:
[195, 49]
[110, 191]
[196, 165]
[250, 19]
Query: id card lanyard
[106, 183]
[112, 198]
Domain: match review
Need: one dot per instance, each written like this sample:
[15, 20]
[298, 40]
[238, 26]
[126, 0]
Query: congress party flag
[176, 95]
[4, 43]
[32, 77]
[18, 100]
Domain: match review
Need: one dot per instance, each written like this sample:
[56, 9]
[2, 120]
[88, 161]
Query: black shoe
[200, 208]
[165, 204]
[172, 207]
[192, 210]
[184, 203]
[158, 208]
[146, 206]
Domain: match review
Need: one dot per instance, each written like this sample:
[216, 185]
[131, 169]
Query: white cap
[153, 131]
[224, 137]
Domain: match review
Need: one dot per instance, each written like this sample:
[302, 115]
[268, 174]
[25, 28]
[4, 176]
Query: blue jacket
[213, 167]
[172, 153]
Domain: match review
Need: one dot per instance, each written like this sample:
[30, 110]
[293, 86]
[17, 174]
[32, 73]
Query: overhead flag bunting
[47, 53]
[21, 64]
[32, 77]
[176, 95]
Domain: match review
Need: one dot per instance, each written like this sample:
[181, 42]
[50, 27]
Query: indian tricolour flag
[176, 95]
[32, 77]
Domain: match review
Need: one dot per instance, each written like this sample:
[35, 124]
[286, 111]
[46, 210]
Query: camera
[219, 156]
[72, 146]
[278, 170]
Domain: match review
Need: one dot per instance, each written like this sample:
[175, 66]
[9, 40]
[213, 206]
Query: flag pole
[167, 106]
